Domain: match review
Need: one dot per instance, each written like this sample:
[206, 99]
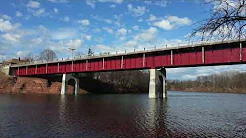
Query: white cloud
[65, 19]
[135, 27]
[161, 3]
[43, 29]
[179, 21]
[11, 38]
[92, 2]
[140, 20]
[113, 6]
[173, 43]
[18, 14]
[191, 73]
[152, 18]
[115, 1]
[122, 31]
[138, 11]
[33, 4]
[102, 48]
[84, 22]
[97, 30]
[37, 41]
[88, 37]
[77, 43]
[63, 46]
[6, 17]
[56, 11]
[147, 35]
[22, 53]
[37, 12]
[171, 22]
[188, 77]
[64, 34]
[109, 30]
[220, 5]
[131, 43]
[6, 26]
[58, 1]
[164, 24]
[102, 19]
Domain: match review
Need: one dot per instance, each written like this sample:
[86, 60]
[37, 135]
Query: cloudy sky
[30, 26]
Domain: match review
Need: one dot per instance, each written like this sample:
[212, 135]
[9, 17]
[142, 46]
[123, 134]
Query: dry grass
[2, 74]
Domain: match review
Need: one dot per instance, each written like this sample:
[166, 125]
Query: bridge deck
[217, 53]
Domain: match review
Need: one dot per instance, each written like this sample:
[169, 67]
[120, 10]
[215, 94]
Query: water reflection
[181, 115]
[159, 117]
[62, 108]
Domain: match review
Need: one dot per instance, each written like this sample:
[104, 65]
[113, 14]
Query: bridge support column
[157, 83]
[65, 79]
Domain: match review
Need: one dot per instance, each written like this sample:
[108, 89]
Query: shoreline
[200, 91]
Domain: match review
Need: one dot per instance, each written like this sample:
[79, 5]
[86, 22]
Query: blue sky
[30, 26]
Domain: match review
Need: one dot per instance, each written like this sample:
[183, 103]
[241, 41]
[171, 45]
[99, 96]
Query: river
[183, 114]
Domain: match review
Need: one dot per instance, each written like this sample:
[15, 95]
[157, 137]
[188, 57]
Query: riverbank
[26, 85]
[210, 90]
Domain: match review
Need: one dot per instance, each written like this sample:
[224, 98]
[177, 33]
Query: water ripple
[181, 115]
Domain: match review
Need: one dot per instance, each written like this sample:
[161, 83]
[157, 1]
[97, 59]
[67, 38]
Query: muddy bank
[25, 85]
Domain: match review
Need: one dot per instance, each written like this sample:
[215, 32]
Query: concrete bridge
[157, 60]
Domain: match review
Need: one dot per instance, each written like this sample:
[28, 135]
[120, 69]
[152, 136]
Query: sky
[29, 26]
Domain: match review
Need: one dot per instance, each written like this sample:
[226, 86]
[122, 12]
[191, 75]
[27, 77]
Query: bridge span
[206, 54]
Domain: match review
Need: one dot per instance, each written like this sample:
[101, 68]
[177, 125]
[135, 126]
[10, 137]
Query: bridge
[156, 60]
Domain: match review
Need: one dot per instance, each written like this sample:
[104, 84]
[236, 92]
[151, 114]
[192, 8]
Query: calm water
[133, 115]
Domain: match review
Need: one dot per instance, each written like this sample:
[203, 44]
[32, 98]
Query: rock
[55, 87]
[6, 84]
[32, 85]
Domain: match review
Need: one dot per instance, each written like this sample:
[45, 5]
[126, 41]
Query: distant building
[15, 61]
[5, 65]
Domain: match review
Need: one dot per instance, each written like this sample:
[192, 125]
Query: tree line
[230, 81]
[50, 55]
[125, 81]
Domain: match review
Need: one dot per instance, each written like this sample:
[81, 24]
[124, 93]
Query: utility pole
[72, 49]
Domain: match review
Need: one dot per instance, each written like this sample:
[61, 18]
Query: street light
[72, 49]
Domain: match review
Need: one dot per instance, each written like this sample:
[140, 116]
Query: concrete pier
[65, 79]
[157, 83]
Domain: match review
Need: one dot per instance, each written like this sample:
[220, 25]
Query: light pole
[72, 49]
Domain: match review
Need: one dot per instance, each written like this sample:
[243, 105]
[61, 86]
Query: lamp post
[72, 49]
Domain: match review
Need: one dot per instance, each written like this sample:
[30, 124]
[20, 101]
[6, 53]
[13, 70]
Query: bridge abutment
[65, 79]
[157, 83]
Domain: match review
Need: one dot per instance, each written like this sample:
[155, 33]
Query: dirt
[28, 85]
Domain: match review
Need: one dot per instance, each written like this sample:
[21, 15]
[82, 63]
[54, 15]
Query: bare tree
[29, 57]
[229, 81]
[90, 52]
[47, 55]
[228, 21]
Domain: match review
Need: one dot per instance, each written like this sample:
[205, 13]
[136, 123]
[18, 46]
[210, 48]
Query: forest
[230, 82]
[138, 82]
